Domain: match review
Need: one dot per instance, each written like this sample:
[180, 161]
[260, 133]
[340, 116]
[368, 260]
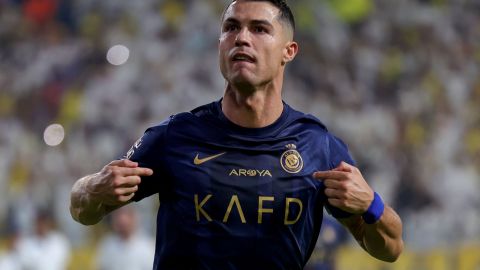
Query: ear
[289, 52]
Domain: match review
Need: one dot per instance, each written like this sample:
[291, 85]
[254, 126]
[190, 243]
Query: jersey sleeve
[146, 151]
[338, 152]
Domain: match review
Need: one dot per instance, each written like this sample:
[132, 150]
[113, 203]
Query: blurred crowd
[398, 81]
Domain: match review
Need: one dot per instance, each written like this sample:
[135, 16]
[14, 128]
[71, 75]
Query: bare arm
[383, 239]
[347, 190]
[96, 195]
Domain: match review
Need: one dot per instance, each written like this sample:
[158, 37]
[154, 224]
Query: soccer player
[243, 180]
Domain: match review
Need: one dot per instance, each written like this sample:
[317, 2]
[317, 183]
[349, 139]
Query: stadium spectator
[126, 247]
[10, 257]
[45, 249]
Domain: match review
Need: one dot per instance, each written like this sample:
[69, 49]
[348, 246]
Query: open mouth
[242, 57]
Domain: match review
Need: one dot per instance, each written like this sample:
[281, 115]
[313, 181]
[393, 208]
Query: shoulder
[156, 136]
[196, 121]
[333, 147]
[314, 124]
[197, 113]
[143, 240]
[307, 121]
[109, 241]
[58, 238]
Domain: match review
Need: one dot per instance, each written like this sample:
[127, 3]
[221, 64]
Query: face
[254, 44]
[124, 222]
[43, 226]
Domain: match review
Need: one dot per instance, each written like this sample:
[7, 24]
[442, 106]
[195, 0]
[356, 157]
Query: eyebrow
[253, 22]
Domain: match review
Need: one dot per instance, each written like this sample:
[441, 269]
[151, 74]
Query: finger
[124, 163]
[125, 198]
[334, 175]
[125, 191]
[335, 202]
[332, 193]
[140, 171]
[344, 167]
[331, 183]
[130, 181]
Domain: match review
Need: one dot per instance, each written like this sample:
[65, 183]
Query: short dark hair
[285, 14]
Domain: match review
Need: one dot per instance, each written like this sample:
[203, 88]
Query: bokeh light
[118, 55]
[54, 134]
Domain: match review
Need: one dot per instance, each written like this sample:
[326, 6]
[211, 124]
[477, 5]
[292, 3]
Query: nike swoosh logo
[198, 161]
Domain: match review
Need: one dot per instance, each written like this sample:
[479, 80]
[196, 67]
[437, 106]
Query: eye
[260, 29]
[230, 28]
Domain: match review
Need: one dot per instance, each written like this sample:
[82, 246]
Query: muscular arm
[347, 190]
[383, 239]
[94, 196]
[84, 207]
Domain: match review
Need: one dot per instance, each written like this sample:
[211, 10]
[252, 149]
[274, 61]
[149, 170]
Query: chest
[243, 181]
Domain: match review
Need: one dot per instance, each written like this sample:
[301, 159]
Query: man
[130, 248]
[46, 249]
[243, 181]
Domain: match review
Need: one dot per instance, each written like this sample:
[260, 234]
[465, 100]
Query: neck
[253, 107]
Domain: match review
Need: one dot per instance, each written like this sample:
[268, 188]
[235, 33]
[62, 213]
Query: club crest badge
[291, 160]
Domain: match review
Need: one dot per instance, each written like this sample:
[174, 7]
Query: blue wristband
[375, 210]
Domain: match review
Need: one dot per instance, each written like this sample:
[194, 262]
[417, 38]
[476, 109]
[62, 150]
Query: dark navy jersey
[234, 197]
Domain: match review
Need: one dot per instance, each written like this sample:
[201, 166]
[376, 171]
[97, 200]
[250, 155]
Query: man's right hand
[117, 182]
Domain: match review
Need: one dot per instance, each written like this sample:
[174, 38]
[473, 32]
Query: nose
[242, 38]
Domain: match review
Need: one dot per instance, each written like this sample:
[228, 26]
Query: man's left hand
[346, 188]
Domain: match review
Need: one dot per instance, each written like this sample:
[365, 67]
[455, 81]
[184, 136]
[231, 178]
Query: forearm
[83, 206]
[96, 195]
[383, 239]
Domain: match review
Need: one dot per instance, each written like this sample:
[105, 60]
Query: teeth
[242, 58]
